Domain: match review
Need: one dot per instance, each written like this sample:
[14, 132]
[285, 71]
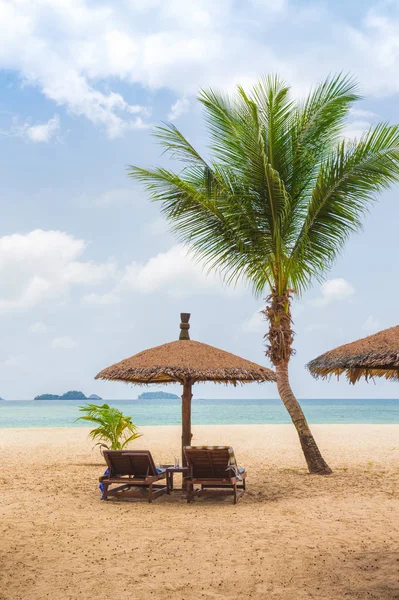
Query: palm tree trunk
[186, 418]
[279, 350]
[315, 461]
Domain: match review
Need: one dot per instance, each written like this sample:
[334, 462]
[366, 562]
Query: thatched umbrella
[373, 356]
[186, 361]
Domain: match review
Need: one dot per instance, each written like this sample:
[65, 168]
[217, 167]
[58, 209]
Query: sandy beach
[292, 535]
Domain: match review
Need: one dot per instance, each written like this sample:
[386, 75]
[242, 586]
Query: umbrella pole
[186, 417]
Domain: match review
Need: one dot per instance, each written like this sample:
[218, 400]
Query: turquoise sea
[62, 413]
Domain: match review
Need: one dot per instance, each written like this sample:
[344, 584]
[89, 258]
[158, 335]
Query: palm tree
[114, 429]
[275, 201]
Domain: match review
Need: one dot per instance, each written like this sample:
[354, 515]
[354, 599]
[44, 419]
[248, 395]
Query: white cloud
[181, 46]
[362, 114]
[314, 327]
[177, 109]
[44, 132]
[173, 272]
[109, 198]
[63, 343]
[158, 227]
[44, 265]
[102, 299]
[13, 361]
[275, 6]
[90, 44]
[255, 324]
[373, 48]
[372, 324]
[88, 273]
[356, 129]
[359, 123]
[116, 196]
[334, 290]
[38, 327]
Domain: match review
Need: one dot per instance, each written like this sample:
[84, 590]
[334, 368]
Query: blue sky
[89, 273]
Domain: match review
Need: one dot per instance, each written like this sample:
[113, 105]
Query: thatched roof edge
[366, 364]
[161, 374]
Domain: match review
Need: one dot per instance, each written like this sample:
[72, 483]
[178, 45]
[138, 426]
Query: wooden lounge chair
[135, 474]
[214, 468]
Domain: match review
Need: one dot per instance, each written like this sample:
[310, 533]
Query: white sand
[292, 536]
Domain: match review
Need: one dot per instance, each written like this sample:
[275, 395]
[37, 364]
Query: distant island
[71, 395]
[157, 396]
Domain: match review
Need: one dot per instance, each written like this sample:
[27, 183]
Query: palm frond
[272, 96]
[281, 191]
[175, 144]
[317, 125]
[210, 212]
[127, 441]
[348, 182]
[115, 430]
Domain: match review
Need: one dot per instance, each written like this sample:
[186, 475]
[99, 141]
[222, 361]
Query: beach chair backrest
[209, 462]
[135, 463]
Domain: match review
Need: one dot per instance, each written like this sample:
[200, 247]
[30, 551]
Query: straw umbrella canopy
[373, 356]
[186, 361]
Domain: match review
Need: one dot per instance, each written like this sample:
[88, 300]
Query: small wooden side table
[170, 471]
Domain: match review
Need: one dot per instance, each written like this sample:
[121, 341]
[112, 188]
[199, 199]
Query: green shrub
[114, 429]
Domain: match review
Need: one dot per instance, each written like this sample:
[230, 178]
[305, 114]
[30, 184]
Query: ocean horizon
[63, 413]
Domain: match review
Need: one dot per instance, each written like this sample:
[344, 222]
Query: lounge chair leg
[244, 484]
[190, 488]
[150, 493]
[105, 492]
[235, 493]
